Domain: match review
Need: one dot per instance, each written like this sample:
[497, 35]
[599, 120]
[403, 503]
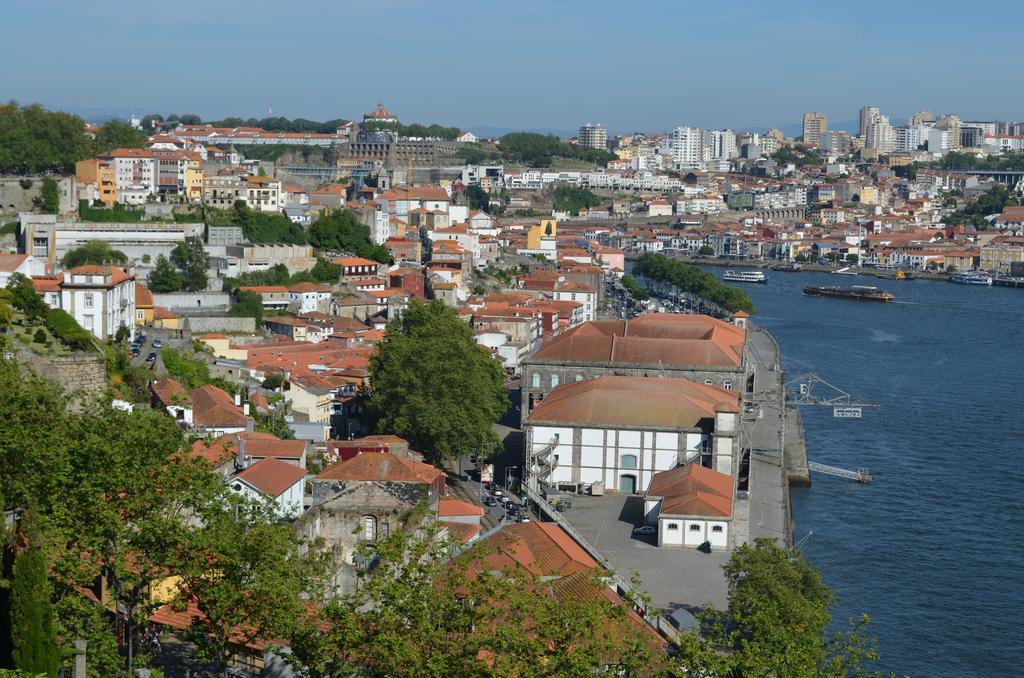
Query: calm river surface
[933, 551]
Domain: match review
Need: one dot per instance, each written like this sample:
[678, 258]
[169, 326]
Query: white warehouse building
[621, 431]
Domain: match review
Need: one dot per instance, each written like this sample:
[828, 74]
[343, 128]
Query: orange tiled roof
[381, 466]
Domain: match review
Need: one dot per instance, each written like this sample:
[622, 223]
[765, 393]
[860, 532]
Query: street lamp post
[508, 476]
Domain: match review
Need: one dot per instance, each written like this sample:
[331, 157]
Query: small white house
[307, 296]
[690, 505]
[273, 479]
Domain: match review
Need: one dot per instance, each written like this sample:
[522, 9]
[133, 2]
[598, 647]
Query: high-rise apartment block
[593, 136]
[815, 125]
[686, 147]
[868, 115]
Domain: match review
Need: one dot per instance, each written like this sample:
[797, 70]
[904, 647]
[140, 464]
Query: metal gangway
[861, 475]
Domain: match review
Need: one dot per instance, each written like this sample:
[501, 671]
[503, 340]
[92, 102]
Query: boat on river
[844, 271]
[971, 279]
[787, 268]
[745, 276]
[857, 292]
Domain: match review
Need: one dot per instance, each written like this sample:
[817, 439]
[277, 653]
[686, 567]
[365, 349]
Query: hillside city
[371, 397]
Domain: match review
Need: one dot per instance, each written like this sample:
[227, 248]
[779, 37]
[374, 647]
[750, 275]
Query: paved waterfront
[765, 513]
[672, 577]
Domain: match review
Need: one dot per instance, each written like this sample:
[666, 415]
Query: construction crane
[842, 403]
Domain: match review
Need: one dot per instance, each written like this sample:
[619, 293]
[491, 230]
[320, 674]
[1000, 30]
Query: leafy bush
[70, 333]
[39, 337]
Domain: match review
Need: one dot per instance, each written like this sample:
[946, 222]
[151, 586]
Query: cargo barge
[857, 292]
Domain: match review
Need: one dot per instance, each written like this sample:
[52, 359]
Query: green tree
[421, 613]
[24, 298]
[668, 271]
[342, 231]
[706, 251]
[477, 198]
[94, 252]
[6, 308]
[164, 277]
[634, 288]
[325, 272]
[447, 413]
[248, 305]
[49, 196]
[573, 199]
[193, 261]
[118, 134]
[249, 583]
[776, 621]
[32, 619]
[34, 140]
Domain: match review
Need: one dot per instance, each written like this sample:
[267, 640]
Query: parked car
[157, 343]
[151, 358]
[645, 530]
[524, 519]
[135, 352]
[490, 501]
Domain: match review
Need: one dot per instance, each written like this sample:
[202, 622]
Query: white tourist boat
[745, 276]
[971, 279]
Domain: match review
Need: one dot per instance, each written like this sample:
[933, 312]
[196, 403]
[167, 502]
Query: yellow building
[1001, 252]
[194, 179]
[143, 305]
[547, 228]
[100, 174]
[869, 195]
[221, 346]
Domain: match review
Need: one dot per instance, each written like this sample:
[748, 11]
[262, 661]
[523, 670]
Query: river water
[933, 550]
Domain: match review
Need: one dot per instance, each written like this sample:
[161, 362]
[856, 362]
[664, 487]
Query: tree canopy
[435, 386]
[421, 613]
[776, 622]
[691, 279]
[257, 226]
[33, 139]
[164, 277]
[434, 131]
[94, 252]
[192, 260]
[991, 202]
[341, 231]
[537, 150]
[573, 199]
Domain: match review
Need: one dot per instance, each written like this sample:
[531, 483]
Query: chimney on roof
[240, 460]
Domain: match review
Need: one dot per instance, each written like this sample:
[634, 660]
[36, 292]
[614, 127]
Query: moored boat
[787, 268]
[745, 276]
[971, 279]
[857, 292]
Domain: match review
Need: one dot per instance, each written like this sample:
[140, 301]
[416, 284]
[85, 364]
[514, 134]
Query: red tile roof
[693, 490]
[168, 390]
[381, 466]
[212, 406]
[544, 549]
[667, 338]
[649, 402]
[450, 506]
[272, 477]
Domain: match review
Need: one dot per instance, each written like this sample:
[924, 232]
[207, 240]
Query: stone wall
[193, 301]
[198, 325]
[14, 198]
[81, 376]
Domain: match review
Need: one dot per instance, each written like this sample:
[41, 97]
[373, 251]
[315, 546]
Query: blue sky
[523, 64]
